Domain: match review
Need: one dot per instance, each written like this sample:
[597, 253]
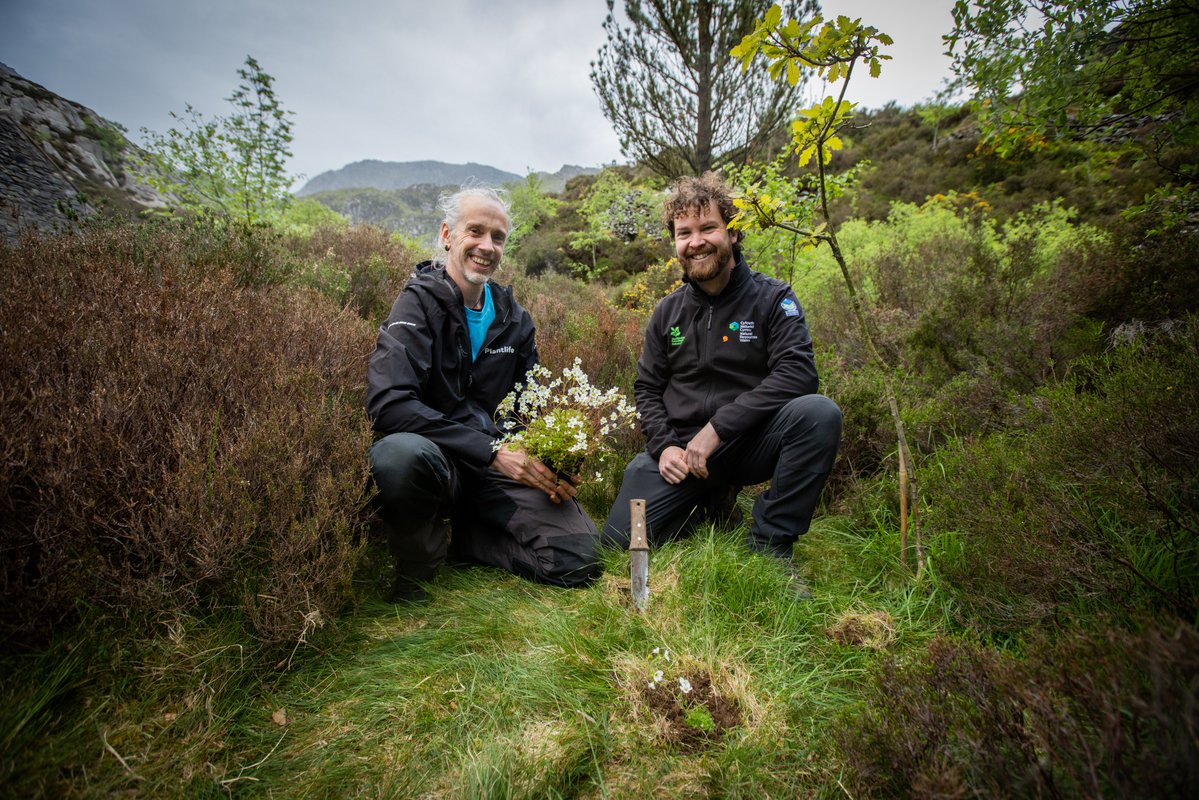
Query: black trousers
[495, 520]
[794, 450]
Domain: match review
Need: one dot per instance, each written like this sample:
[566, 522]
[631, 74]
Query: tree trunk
[703, 68]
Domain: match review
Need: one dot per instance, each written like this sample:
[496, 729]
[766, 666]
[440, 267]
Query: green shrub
[969, 312]
[642, 293]
[363, 267]
[177, 434]
[1094, 715]
[867, 435]
[1156, 278]
[304, 215]
[1089, 502]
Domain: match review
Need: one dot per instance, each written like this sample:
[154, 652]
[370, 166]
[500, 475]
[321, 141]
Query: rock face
[60, 161]
[412, 210]
[556, 181]
[33, 192]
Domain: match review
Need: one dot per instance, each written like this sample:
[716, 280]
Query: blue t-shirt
[479, 321]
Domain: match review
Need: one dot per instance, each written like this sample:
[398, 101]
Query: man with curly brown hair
[727, 390]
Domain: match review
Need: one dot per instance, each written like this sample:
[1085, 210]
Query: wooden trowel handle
[637, 540]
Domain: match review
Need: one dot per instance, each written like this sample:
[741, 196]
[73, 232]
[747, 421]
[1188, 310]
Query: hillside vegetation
[193, 589]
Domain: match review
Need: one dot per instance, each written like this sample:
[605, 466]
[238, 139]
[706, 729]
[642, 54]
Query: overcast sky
[498, 82]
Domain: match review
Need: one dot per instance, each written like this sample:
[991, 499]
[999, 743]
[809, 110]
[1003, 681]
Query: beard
[472, 276]
[472, 272]
[709, 268]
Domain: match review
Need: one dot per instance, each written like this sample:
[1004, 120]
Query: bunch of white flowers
[562, 421]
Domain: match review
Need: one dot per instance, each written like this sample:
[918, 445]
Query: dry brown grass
[873, 630]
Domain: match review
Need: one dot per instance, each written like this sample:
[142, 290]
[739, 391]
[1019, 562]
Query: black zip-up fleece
[421, 379]
[733, 360]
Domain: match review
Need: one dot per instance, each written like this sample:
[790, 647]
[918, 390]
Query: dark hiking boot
[797, 585]
[405, 590]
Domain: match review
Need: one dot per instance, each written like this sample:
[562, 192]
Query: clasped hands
[676, 463]
[531, 472]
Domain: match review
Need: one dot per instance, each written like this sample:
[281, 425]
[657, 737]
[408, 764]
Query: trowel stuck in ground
[638, 556]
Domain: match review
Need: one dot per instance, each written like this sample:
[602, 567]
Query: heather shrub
[251, 255]
[575, 320]
[1109, 714]
[174, 436]
[1088, 502]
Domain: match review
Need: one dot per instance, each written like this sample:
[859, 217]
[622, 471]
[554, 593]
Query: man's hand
[673, 464]
[700, 448]
[520, 467]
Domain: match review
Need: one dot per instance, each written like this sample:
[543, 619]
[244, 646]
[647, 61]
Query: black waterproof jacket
[733, 360]
[421, 378]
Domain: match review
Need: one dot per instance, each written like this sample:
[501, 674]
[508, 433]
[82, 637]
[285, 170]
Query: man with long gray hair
[453, 346]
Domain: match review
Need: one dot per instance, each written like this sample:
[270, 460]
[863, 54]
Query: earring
[447, 248]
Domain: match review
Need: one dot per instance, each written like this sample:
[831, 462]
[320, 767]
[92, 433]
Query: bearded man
[727, 390]
[454, 345]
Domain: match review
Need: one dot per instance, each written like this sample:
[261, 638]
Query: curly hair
[692, 195]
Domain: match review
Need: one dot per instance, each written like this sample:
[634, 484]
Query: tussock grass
[500, 688]
[496, 688]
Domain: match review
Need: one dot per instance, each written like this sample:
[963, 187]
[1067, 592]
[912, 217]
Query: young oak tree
[233, 167]
[801, 205]
[676, 97]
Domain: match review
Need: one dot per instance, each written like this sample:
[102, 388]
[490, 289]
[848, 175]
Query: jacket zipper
[706, 360]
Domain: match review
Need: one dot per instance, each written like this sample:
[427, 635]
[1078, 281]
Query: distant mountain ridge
[391, 175]
[387, 175]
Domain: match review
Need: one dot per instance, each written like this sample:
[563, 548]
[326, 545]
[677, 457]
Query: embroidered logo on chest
[744, 330]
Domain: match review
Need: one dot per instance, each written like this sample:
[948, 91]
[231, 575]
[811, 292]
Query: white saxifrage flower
[562, 421]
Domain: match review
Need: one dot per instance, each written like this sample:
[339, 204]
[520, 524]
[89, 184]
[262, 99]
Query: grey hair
[451, 204]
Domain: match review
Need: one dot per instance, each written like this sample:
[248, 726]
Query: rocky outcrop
[555, 182]
[412, 210]
[33, 191]
[61, 160]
